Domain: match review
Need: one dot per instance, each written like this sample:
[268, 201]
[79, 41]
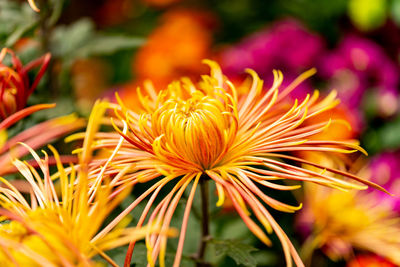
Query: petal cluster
[56, 224]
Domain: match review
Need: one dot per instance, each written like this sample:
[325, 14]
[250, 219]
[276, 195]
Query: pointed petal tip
[33, 5]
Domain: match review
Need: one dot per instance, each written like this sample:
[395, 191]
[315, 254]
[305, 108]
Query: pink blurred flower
[385, 170]
[286, 46]
[357, 65]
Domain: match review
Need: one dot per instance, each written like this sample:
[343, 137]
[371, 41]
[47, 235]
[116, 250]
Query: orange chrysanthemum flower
[191, 134]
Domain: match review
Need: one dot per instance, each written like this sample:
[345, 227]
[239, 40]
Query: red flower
[15, 87]
[369, 261]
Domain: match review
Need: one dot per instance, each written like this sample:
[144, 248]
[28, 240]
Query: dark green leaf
[395, 10]
[238, 251]
[57, 7]
[118, 255]
[140, 255]
[385, 137]
[66, 40]
[19, 32]
[389, 134]
[106, 45]
[79, 40]
[15, 21]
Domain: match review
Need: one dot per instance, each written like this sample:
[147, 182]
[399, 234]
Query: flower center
[196, 132]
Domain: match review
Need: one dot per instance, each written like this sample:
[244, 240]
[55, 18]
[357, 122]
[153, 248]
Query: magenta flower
[286, 45]
[357, 65]
[385, 170]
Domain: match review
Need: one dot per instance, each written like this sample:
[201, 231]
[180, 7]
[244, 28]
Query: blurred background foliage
[99, 47]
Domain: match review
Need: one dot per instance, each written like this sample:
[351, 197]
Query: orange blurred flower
[114, 12]
[176, 47]
[343, 221]
[173, 50]
[89, 80]
[129, 93]
[346, 124]
[161, 3]
[369, 261]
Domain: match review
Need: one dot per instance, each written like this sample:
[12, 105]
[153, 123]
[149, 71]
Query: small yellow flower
[340, 221]
[189, 133]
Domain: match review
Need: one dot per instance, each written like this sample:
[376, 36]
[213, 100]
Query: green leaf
[395, 11]
[229, 227]
[140, 255]
[66, 40]
[15, 21]
[20, 31]
[238, 251]
[109, 44]
[117, 255]
[385, 137]
[80, 40]
[389, 134]
[56, 12]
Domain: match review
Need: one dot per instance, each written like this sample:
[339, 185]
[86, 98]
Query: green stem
[205, 225]
[308, 248]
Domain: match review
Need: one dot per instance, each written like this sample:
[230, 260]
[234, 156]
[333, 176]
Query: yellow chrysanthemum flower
[56, 227]
[342, 221]
[192, 134]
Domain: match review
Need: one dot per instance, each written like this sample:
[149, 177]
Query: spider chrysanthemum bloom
[192, 133]
[57, 227]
